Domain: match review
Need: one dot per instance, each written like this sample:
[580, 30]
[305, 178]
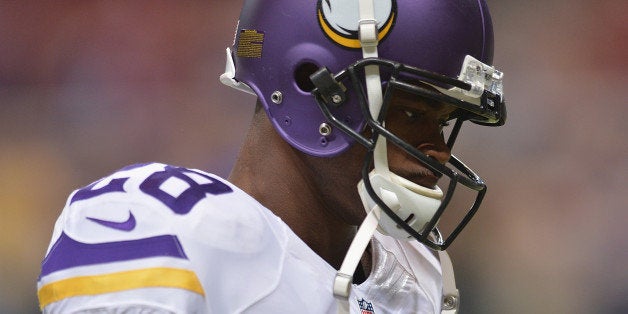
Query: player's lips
[418, 175]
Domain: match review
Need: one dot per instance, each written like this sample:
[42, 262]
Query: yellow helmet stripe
[349, 42]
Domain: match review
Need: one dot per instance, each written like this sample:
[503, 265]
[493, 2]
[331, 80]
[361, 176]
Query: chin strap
[367, 34]
[344, 276]
[451, 295]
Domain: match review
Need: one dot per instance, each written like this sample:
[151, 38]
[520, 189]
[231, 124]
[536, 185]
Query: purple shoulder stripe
[67, 252]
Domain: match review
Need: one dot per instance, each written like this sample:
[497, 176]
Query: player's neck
[277, 180]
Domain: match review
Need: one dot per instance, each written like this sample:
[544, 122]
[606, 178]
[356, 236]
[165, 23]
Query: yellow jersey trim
[120, 281]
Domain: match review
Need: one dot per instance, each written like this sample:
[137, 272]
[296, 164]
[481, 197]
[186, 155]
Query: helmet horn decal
[339, 20]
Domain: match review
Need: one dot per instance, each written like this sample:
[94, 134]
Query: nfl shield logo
[365, 307]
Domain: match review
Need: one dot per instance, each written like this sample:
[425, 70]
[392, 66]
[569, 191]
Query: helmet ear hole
[302, 76]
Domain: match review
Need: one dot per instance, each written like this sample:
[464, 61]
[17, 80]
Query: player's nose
[435, 147]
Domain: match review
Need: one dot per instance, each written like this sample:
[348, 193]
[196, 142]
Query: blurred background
[87, 87]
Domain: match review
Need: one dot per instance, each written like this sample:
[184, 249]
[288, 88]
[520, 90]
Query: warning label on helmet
[250, 43]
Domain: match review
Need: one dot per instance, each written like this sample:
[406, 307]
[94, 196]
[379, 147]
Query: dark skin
[317, 197]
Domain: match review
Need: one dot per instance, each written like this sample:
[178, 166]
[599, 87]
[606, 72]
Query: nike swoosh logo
[127, 225]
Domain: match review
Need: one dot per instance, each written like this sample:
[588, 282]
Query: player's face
[417, 121]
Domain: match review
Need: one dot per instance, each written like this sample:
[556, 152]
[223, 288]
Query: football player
[333, 204]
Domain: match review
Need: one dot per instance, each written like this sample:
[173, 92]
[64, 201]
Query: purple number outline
[184, 203]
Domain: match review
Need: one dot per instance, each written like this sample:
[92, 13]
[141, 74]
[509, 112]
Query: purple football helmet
[306, 62]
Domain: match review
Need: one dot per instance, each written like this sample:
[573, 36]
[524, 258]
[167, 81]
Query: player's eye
[412, 115]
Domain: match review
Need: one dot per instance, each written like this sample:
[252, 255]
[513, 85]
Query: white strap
[344, 276]
[367, 29]
[367, 32]
[451, 295]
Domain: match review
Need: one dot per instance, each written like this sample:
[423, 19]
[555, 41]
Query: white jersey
[155, 238]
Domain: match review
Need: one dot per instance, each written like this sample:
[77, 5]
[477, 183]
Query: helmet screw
[324, 129]
[276, 97]
[336, 99]
[450, 302]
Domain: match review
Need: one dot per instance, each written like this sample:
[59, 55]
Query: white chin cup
[413, 203]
